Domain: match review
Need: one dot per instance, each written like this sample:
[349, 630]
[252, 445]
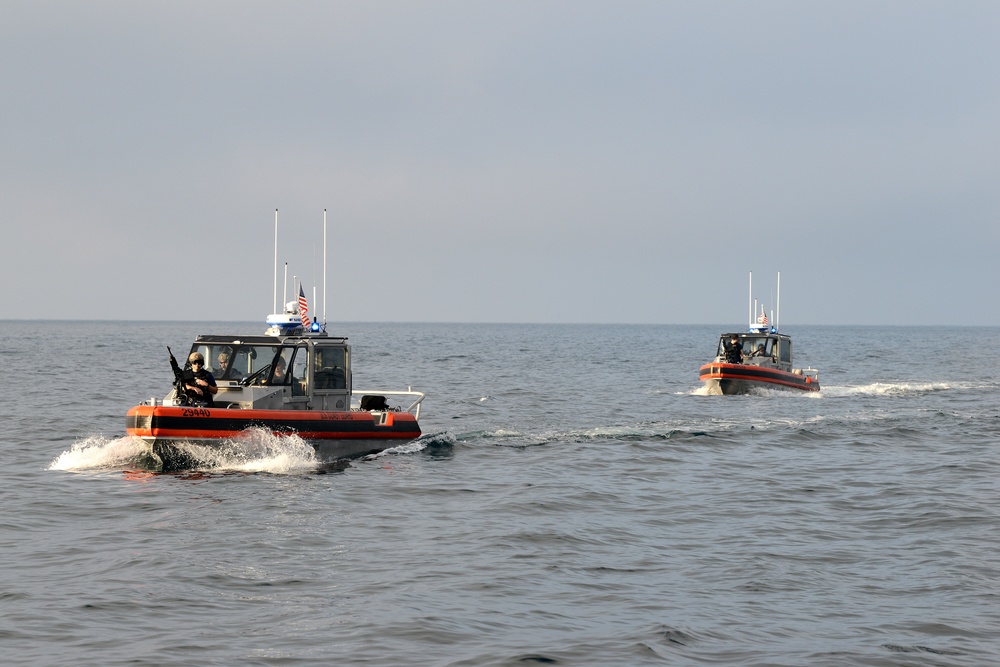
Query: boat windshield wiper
[245, 382]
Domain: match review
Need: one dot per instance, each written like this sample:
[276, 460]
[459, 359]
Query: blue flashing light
[314, 327]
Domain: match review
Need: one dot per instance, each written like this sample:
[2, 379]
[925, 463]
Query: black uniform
[206, 396]
[734, 352]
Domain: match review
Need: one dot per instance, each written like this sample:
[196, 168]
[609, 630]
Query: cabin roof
[269, 340]
[756, 334]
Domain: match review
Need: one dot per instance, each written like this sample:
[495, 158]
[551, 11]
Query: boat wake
[646, 432]
[411, 447]
[254, 451]
[902, 389]
[101, 453]
[897, 388]
[704, 390]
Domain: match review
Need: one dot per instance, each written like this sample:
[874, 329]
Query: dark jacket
[189, 378]
[734, 352]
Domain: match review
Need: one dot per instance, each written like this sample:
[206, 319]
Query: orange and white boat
[759, 358]
[293, 379]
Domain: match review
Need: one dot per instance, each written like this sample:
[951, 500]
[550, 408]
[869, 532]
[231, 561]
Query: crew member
[198, 381]
[282, 377]
[734, 351]
[225, 363]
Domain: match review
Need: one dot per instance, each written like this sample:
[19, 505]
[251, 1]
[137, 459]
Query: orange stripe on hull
[757, 375]
[168, 422]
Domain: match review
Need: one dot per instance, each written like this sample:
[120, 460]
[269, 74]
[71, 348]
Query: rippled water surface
[575, 499]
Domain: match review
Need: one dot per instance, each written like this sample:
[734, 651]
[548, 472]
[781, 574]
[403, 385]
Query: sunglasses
[197, 362]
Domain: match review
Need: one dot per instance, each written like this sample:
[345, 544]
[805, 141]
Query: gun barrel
[178, 375]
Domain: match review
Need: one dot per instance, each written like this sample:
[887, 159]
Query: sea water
[576, 499]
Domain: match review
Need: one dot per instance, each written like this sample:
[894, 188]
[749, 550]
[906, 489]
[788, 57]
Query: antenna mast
[275, 304]
[777, 318]
[750, 303]
[324, 268]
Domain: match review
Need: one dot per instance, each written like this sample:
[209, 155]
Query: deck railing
[356, 395]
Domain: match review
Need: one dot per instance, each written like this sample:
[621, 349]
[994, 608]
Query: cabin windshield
[235, 362]
[752, 346]
[330, 368]
[288, 368]
[758, 346]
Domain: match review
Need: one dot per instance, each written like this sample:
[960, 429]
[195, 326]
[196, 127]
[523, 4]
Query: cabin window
[759, 347]
[299, 366]
[250, 360]
[257, 358]
[300, 362]
[280, 370]
[286, 370]
[219, 360]
[330, 368]
[285, 359]
[786, 350]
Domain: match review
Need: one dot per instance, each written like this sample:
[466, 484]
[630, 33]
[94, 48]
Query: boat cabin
[759, 349]
[306, 372]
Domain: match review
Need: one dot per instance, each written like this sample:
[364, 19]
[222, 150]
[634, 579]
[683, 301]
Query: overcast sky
[517, 161]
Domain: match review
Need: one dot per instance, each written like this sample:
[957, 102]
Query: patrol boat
[293, 379]
[759, 358]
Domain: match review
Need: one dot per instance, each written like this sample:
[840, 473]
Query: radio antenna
[275, 303]
[324, 269]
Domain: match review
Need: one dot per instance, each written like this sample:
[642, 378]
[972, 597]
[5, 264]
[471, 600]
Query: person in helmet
[198, 381]
[734, 351]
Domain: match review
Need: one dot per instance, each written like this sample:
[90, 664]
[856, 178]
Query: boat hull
[729, 379]
[334, 435]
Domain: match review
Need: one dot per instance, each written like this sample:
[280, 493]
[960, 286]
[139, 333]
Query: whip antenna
[324, 268]
[275, 304]
[777, 318]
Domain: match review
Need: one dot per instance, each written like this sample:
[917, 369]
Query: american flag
[304, 308]
[762, 318]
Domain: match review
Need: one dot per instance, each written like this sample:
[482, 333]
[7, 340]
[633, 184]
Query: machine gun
[179, 385]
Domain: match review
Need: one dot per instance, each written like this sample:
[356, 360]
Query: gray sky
[521, 161]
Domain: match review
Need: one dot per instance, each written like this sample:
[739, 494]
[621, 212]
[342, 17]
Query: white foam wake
[99, 453]
[255, 450]
[890, 389]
